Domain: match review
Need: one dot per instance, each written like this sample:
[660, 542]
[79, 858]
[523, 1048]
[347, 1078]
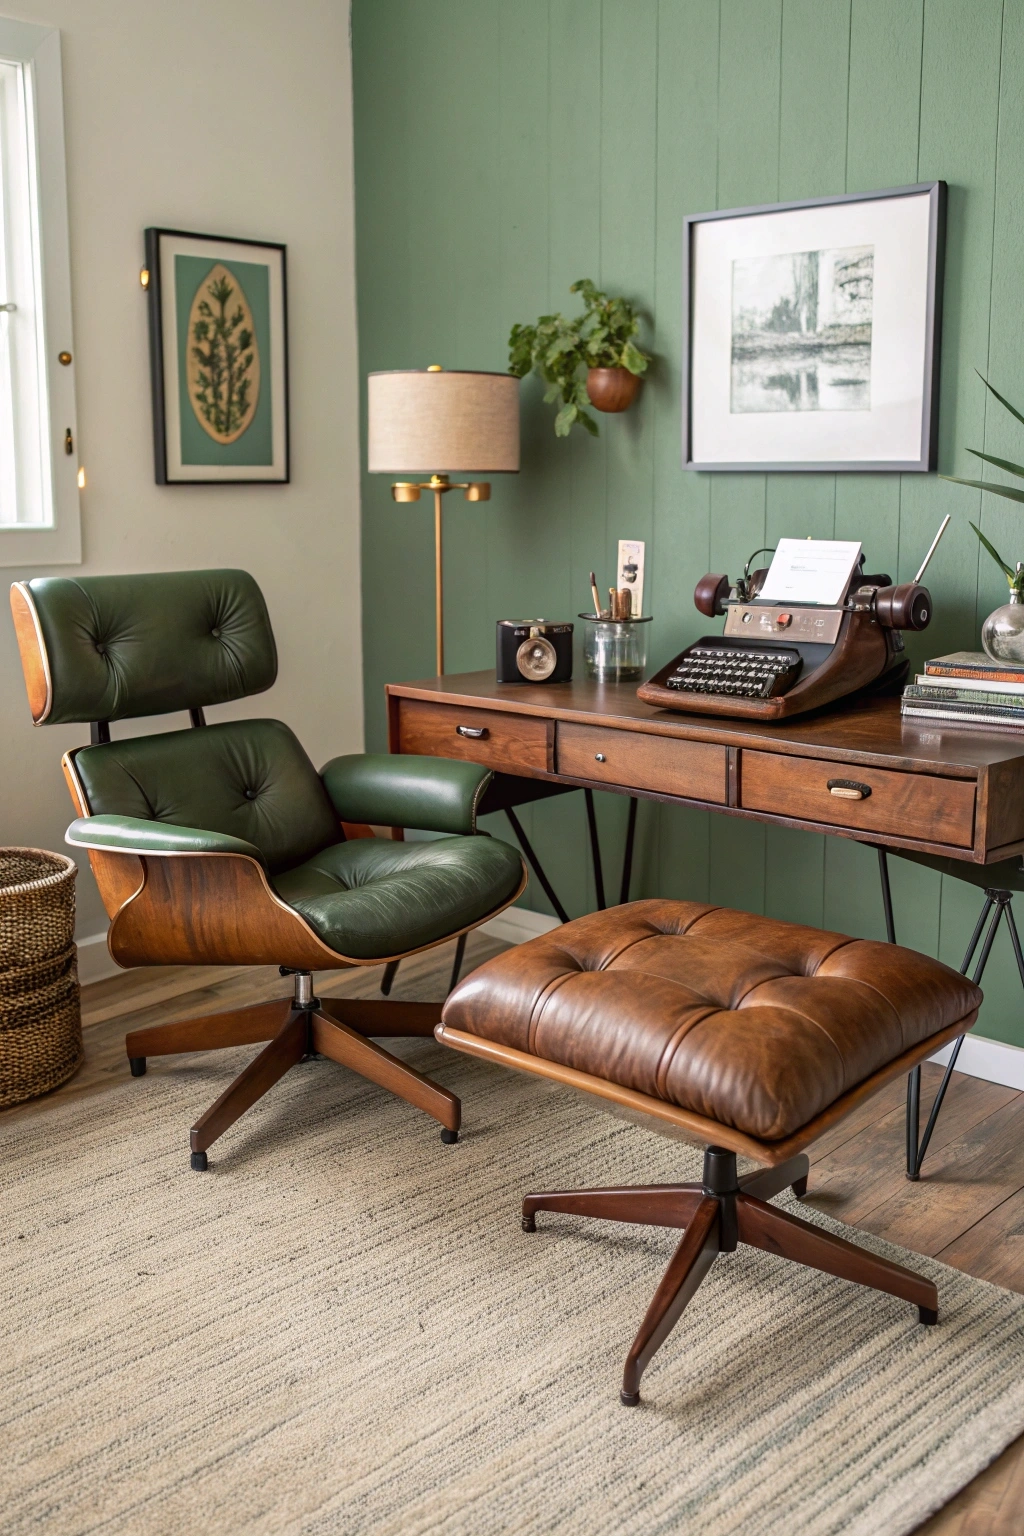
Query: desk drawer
[915, 805]
[662, 764]
[487, 736]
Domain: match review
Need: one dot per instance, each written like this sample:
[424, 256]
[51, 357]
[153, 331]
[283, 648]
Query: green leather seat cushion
[249, 779]
[371, 898]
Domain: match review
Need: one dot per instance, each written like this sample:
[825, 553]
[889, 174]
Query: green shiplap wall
[505, 148]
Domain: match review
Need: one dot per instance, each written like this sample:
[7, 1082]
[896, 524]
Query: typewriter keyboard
[750, 674]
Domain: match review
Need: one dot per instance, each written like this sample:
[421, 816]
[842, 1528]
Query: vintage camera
[534, 651]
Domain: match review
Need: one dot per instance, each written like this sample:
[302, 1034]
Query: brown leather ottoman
[751, 1034]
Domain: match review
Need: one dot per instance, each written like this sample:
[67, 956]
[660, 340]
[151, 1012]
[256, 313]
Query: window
[39, 517]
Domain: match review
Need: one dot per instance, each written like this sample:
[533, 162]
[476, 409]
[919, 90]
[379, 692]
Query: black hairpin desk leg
[535, 865]
[627, 857]
[595, 850]
[1001, 901]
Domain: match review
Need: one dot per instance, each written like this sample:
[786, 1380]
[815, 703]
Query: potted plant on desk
[591, 360]
[1002, 634]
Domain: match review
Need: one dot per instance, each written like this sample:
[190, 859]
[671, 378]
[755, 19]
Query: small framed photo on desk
[811, 333]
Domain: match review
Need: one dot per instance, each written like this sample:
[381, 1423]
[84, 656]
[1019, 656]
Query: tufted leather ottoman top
[744, 1020]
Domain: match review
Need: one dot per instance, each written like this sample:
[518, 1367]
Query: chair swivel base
[294, 1029]
[716, 1216]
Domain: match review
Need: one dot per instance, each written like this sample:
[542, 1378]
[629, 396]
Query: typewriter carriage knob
[908, 606]
[710, 593]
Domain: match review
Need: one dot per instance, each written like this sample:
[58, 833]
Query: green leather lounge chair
[221, 844]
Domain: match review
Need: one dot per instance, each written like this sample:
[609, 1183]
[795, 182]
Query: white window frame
[32, 542]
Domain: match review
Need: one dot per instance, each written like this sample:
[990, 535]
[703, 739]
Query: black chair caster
[138, 1065]
[449, 1137]
[198, 1161]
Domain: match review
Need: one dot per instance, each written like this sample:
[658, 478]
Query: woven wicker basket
[40, 1014]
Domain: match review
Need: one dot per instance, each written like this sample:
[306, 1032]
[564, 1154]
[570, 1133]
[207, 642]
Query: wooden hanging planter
[612, 389]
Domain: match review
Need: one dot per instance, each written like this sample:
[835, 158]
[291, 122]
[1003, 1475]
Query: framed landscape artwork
[811, 333]
[218, 337]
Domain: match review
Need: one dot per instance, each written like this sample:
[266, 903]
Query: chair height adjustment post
[721, 1183]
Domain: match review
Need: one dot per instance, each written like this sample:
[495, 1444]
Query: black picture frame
[936, 192]
[167, 471]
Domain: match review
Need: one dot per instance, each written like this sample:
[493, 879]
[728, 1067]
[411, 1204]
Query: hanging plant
[591, 360]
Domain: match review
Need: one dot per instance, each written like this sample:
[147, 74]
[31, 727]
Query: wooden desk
[953, 792]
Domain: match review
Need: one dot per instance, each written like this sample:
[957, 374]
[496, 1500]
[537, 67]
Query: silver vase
[1002, 634]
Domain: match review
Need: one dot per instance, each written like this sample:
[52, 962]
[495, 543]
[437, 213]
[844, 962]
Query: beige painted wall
[233, 119]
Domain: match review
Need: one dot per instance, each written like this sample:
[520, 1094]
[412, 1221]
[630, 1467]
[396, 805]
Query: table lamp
[432, 421]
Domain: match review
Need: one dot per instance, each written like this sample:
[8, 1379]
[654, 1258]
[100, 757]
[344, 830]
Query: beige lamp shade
[439, 422]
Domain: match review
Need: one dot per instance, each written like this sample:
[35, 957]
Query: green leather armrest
[133, 834]
[433, 794]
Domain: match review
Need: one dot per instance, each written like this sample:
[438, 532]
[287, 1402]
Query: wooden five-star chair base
[716, 1216]
[301, 1026]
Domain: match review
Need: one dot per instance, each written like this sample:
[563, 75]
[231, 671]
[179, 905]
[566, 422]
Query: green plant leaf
[1011, 468]
[565, 418]
[1008, 572]
[633, 359]
[1002, 400]
[586, 420]
[1009, 491]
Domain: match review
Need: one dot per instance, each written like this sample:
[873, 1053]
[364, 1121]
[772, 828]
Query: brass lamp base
[410, 490]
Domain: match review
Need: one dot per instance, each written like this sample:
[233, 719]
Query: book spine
[989, 674]
[975, 697]
[1003, 711]
[962, 717]
[980, 687]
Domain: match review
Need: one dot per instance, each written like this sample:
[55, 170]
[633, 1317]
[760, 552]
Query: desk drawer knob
[599, 757]
[474, 732]
[848, 789]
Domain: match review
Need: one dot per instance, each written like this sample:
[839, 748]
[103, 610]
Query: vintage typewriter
[781, 657]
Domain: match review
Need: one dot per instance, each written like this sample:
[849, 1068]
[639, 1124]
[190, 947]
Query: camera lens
[536, 659]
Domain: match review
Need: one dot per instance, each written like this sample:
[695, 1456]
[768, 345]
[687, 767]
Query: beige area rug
[341, 1328]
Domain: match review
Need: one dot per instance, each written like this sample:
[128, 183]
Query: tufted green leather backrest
[122, 646]
[248, 778]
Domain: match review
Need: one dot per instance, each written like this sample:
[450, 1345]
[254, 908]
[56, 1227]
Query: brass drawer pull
[848, 789]
[474, 732]
[599, 757]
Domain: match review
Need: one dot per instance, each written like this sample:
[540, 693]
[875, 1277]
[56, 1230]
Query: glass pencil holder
[614, 650]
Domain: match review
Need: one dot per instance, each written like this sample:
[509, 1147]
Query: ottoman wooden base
[716, 1216]
[750, 1035]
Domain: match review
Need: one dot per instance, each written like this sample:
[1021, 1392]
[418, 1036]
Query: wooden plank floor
[967, 1210]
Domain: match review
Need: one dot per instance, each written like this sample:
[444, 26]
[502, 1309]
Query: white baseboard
[94, 959]
[990, 1059]
[517, 924]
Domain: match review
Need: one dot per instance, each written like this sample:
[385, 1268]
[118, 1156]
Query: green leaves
[1007, 464]
[1015, 577]
[1007, 570]
[561, 351]
[633, 359]
[1012, 409]
[1009, 491]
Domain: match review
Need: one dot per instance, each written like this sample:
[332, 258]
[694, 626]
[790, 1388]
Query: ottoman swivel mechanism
[750, 1035]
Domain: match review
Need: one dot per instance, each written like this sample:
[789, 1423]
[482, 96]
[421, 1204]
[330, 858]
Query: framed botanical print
[811, 333]
[218, 339]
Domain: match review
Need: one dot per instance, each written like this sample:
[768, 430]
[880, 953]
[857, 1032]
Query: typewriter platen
[775, 659]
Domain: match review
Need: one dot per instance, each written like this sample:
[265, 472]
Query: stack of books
[968, 688]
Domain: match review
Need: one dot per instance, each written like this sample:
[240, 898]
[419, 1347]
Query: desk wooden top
[868, 731]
